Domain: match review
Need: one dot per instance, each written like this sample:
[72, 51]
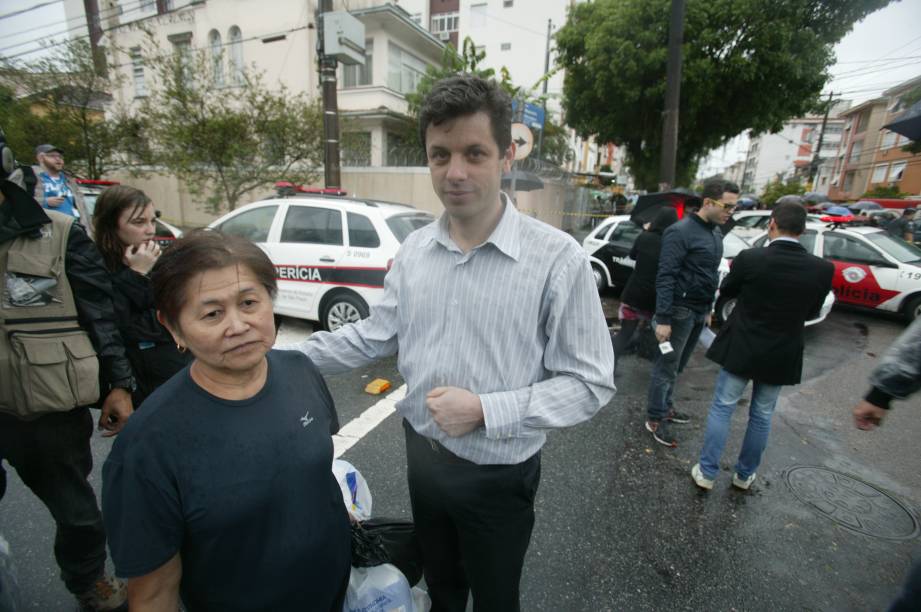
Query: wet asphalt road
[620, 525]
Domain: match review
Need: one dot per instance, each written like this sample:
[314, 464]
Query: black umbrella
[815, 197]
[909, 123]
[647, 206]
[865, 205]
[524, 181]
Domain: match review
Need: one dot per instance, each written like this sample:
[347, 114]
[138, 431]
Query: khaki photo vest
[47, 361]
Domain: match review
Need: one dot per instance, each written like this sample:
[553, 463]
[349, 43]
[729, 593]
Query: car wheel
[724, 308]
[913, 309]
[343, 309]
[601, 280]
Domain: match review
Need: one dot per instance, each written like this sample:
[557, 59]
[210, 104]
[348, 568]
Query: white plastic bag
[381, 588]
[355, 491]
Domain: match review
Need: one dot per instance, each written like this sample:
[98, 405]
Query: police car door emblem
[854, 274]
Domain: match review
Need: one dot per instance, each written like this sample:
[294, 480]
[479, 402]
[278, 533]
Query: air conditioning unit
[444, 36]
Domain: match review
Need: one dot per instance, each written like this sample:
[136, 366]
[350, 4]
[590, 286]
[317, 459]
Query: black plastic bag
[647, 346]
[380, 540]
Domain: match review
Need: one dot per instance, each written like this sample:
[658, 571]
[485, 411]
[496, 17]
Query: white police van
[330, 253]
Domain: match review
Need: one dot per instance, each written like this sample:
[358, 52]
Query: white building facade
[280, 43]
[791, 151]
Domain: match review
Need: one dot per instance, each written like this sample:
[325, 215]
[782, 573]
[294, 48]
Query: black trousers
[474, 525]
[52, 456]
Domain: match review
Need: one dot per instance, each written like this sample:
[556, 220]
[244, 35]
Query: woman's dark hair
[665, 217]
[465, 94]
[109, 207]
[197, 252]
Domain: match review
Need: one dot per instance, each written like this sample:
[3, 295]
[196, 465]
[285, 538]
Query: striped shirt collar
[506, 237]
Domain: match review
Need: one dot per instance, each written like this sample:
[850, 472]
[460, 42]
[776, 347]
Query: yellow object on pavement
[377, 386]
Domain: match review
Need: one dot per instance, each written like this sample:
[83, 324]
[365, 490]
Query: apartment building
[869, 155]
[791, 151]
[281, 44]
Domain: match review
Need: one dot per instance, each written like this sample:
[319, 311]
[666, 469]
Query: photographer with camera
[60, 353]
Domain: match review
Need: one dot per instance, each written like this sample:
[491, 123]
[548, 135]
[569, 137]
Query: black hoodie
[640, 292]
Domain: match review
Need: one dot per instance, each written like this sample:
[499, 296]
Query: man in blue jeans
[778, 287]
[685, 288]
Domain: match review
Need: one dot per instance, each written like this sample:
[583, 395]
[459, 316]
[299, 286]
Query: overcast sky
[881, 51]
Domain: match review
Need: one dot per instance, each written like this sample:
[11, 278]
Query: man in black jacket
[51, 452]
[685, 289]
[779, 287]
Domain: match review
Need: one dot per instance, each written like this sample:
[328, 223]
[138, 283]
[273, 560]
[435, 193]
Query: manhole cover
[852, 503]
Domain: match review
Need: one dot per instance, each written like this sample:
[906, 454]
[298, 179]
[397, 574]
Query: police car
[608, 247]
[872, 269]
[752, 223]
[330, 253]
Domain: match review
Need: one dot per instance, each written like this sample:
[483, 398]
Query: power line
[866, 70]
[103, 14]
[876, 61]
[140, 6]
[29, 9]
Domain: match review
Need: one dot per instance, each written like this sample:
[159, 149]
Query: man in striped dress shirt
[501, 337]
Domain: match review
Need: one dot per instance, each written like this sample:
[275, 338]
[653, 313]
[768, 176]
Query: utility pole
[540, 137]
[814, 169]
[330, 104]
[672, 98]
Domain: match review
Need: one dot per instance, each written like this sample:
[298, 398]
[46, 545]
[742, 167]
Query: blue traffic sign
[533, 115]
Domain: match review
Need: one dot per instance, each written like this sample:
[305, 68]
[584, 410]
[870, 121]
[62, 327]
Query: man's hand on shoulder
[456, 411]
[116, 409]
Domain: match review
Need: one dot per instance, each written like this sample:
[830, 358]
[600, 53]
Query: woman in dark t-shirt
[221, 491]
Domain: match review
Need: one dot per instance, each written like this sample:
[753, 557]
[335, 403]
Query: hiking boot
[674, 416]
[661, 433]
[108, 594]
[739, 483]
[699, 479]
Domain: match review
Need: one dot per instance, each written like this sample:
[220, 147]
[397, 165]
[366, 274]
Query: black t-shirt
[242, 490]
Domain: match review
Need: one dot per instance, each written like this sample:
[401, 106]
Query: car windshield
[90, 200]
[733, 245]
[902, 251]
[403, 225]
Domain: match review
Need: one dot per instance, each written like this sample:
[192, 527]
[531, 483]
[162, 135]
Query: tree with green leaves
[60, 99]
[555, 146]
[223, 140]
[778, 188]
[746, 65]
[885, 191]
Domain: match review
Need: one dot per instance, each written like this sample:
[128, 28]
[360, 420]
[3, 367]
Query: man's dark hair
[465, 94]
[790, 218]
[197, 252]
[715, 188]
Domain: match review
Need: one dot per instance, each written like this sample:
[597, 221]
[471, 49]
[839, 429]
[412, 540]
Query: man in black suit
[779, 287]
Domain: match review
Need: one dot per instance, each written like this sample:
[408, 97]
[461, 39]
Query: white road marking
[364, 423]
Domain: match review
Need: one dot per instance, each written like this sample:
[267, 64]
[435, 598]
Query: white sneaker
[699, 479]
[742, 484]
